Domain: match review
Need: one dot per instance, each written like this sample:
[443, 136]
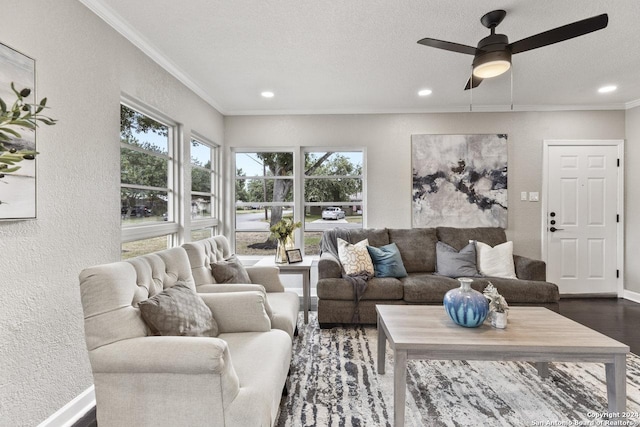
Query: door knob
[553, 229]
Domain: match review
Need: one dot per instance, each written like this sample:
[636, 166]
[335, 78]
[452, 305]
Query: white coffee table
[533, 334]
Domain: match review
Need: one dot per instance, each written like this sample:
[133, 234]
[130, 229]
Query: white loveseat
[235, 379]
[284, 305]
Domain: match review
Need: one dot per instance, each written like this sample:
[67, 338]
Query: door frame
[619, 143]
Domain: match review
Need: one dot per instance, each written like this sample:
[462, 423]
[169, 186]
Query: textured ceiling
[361, 56]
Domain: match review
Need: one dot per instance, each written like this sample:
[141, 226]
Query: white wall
[82, 66]
[632, 201]
[387, 139]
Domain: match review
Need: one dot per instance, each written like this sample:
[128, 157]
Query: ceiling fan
[492, 57]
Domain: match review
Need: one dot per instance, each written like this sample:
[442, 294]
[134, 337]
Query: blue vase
[467, 307]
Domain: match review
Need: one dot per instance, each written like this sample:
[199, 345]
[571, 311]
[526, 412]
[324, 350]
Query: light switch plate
[534, 196]
[523, 196]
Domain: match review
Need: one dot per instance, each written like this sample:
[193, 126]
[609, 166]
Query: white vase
[499, 320]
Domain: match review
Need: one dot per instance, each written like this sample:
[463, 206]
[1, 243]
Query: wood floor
[616, 318]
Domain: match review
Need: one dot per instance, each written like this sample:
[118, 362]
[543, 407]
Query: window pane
[200, 207]
[137, 206]
[201, 180]
[145, 246]
[143, 169]
[333, 190]
[312, 243]
[202, 233]
[142, 131]
[264, 164]
[200, 154]
[350, 217]
[333, 163]
[260, 219]
[253, 243]
[264, 190]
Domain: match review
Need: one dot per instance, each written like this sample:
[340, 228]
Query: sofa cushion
[178, 311]
[427, 288]
[458, 238]
[417, 247]
[376, 236]
[230, 270]
[355, 258]
[387, 261]
[382, 288]
[496, 261]
[453, 263]
[517, 291]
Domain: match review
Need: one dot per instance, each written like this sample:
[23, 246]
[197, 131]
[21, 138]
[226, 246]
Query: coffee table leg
[399, 386]
[382, 347]
[306, 294]
[617, 383]
[543, 369]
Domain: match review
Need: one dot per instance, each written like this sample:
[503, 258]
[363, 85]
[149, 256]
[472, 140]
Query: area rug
[334, 382]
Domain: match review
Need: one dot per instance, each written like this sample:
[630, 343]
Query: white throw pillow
[496, 261]
[355, 259]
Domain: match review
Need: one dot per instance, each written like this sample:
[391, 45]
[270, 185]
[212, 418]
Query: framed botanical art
[459, 180]
[17, 137]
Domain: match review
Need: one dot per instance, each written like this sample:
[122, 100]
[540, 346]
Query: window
[147, 196]
[331, 185]
[205, 193]
[333, 193]
[264, 193]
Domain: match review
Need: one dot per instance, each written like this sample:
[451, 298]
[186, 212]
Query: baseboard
[631, 296]
[72, 411]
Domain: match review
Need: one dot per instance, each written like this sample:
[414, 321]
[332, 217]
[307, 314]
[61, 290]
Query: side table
[304, 269]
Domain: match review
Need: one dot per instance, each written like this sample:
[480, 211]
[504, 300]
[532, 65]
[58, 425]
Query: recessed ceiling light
[267, 94]
[607, 89]
[425, 92]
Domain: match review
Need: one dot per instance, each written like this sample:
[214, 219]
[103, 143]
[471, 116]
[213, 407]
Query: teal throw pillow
[387, 261]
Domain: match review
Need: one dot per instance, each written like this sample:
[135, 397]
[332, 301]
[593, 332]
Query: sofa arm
[162, 354]
[238, 311]
[530, 269]
[237, 287]
[329, 267]
[269, 277]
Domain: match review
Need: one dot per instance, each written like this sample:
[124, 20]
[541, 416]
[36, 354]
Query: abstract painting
[18, 190]
[459, 180]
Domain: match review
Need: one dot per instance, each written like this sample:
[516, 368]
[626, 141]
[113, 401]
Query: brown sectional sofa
[418, 250]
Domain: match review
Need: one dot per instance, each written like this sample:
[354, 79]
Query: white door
[581, 218]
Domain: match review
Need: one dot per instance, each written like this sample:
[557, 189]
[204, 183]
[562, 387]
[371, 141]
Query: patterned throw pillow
[230, 270]
[496, 261]
[355, 259]
[178, 311]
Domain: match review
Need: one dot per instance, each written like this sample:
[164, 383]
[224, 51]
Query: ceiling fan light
[491, 69]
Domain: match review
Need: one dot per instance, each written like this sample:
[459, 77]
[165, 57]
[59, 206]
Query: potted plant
[498, 307]
[282, 231]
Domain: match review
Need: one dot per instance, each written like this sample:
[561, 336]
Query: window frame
[192, 224]
[298, 176]
[174, 144]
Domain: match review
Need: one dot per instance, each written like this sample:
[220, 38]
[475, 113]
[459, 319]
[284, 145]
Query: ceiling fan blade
[453, 47]
[559, 34]
[473, 80]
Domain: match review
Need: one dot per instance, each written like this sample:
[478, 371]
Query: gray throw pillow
[452, 263]
[178, 311]
[230, 270]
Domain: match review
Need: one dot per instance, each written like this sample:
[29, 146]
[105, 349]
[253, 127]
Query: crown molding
[114, 20]
[448, 109]
[632, 104]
